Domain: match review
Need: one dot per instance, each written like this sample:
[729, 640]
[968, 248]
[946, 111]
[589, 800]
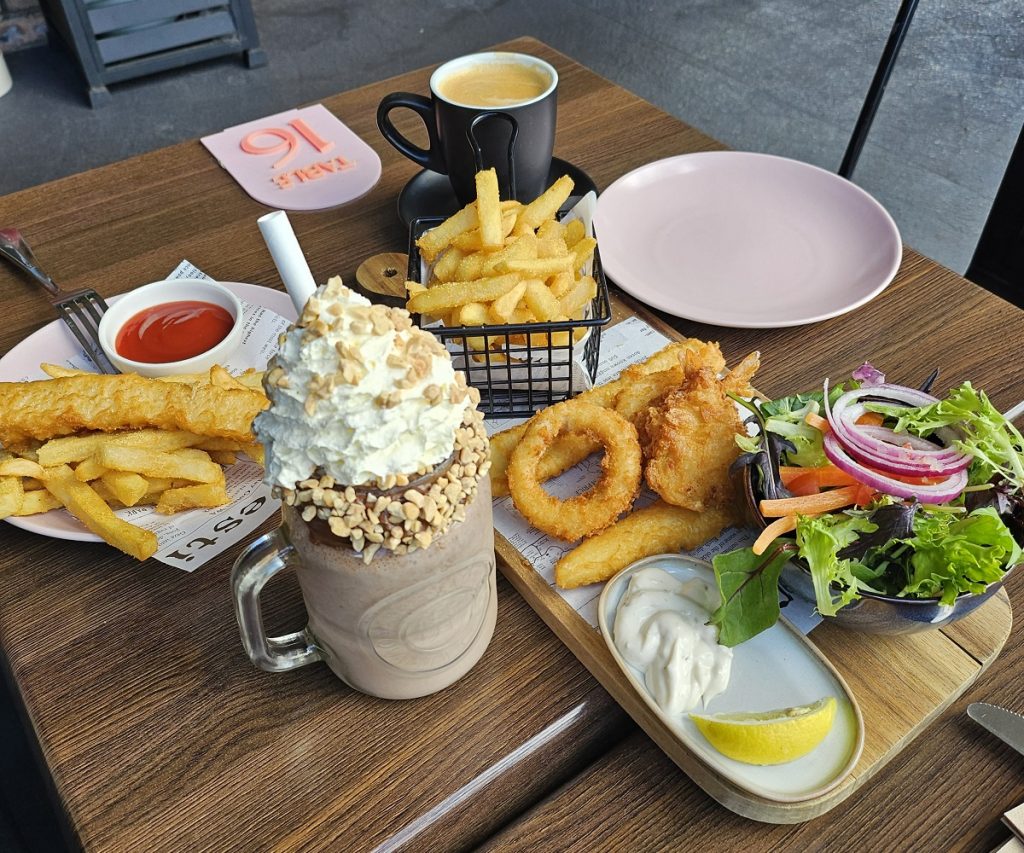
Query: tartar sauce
[660, 629]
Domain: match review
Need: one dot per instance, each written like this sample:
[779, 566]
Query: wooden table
[158, 732]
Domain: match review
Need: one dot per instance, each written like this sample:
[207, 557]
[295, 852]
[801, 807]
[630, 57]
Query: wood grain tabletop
[157, 730]
[160, 734]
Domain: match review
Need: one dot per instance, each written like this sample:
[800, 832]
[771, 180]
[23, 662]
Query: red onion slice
[885, 449]
[937, 493]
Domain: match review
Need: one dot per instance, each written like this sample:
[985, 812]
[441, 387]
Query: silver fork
[80, 310]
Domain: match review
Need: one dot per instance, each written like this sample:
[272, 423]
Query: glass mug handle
[256, 565]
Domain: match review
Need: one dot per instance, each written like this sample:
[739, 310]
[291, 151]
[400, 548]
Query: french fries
[488, 211]
[89, 508]
[92, 473]
[500, 262]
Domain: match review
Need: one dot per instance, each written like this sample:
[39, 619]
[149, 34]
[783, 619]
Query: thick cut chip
[62, 451]
[471, 267]
[579, 296]
[17, 467]
[127, 487]
[444, 269]
[540, 300]
[546, 205]
[36, 502]
[575, 231]
[537, 267]
[583, 251]
[11, 496]
[59, 371]
[471, 314]
[551, 247]
[192, 497]
[180, 465]
[453, 294]
[488, 210]
[520, 248]
[89, 469]
[472, 241]
[89, 508]
[657, 529]
[436, 239]
[561, 283]
[503, 307]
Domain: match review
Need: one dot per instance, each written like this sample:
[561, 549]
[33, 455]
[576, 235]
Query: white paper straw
[288, 258]
[1015, 412]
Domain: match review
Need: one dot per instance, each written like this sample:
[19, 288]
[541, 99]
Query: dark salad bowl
[872, 612]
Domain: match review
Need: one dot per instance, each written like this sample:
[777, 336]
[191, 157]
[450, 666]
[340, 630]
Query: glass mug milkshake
[376, 448]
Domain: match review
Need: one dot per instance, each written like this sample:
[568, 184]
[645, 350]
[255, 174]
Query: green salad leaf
[749, 587]
[996, 445]
[819, 540]
[956, 554]
[785, 417]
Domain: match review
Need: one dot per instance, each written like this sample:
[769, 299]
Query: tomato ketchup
[173, 331]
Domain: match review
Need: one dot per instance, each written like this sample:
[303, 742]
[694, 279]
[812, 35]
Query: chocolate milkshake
[375, 446]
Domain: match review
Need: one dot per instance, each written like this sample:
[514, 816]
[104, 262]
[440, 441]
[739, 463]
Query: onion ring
[595, 509]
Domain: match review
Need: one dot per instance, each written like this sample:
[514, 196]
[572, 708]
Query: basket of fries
[516, 293]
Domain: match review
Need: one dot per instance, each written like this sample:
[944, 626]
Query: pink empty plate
[745, 240]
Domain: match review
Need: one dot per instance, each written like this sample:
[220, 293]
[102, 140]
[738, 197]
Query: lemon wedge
[769, 737]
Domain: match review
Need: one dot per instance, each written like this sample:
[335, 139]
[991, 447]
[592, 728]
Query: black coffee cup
[486, 109]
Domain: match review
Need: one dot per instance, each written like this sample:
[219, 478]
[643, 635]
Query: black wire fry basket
[519, 368]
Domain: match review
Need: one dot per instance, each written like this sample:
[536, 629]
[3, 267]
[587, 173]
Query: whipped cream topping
[357, 392]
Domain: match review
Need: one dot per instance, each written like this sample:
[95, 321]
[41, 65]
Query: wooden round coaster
[384, 275]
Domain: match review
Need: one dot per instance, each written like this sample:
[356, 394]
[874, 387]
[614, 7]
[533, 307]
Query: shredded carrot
[808, 484]
[864, 494]
[784, 524]
[817, 421]
[812, 504]
[825, 475]
[871, 419]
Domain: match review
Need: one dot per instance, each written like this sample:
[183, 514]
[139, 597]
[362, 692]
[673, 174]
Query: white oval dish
[159, 293]
[778, 668]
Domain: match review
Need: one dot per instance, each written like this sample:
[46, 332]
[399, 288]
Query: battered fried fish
[656, 529]
[689, 437]
[54, 407]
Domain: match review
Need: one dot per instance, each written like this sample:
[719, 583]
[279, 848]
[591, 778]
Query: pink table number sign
[303, 159]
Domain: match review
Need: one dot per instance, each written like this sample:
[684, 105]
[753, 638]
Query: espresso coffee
[494, 84]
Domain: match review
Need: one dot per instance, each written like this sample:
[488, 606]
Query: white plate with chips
[745, 240]
[54, 344]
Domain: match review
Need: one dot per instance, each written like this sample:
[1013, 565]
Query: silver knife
[1005, 725]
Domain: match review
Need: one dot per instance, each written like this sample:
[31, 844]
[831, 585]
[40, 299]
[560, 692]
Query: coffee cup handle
[428, 158]
[256, 565]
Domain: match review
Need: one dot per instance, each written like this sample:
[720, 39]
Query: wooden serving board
[902, 682]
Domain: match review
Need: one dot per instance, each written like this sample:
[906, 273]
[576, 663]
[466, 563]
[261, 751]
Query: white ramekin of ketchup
[171, 327]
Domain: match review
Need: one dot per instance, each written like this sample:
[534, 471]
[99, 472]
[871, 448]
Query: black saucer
[430, 193]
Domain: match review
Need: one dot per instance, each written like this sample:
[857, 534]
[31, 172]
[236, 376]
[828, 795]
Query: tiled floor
[779, 76]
